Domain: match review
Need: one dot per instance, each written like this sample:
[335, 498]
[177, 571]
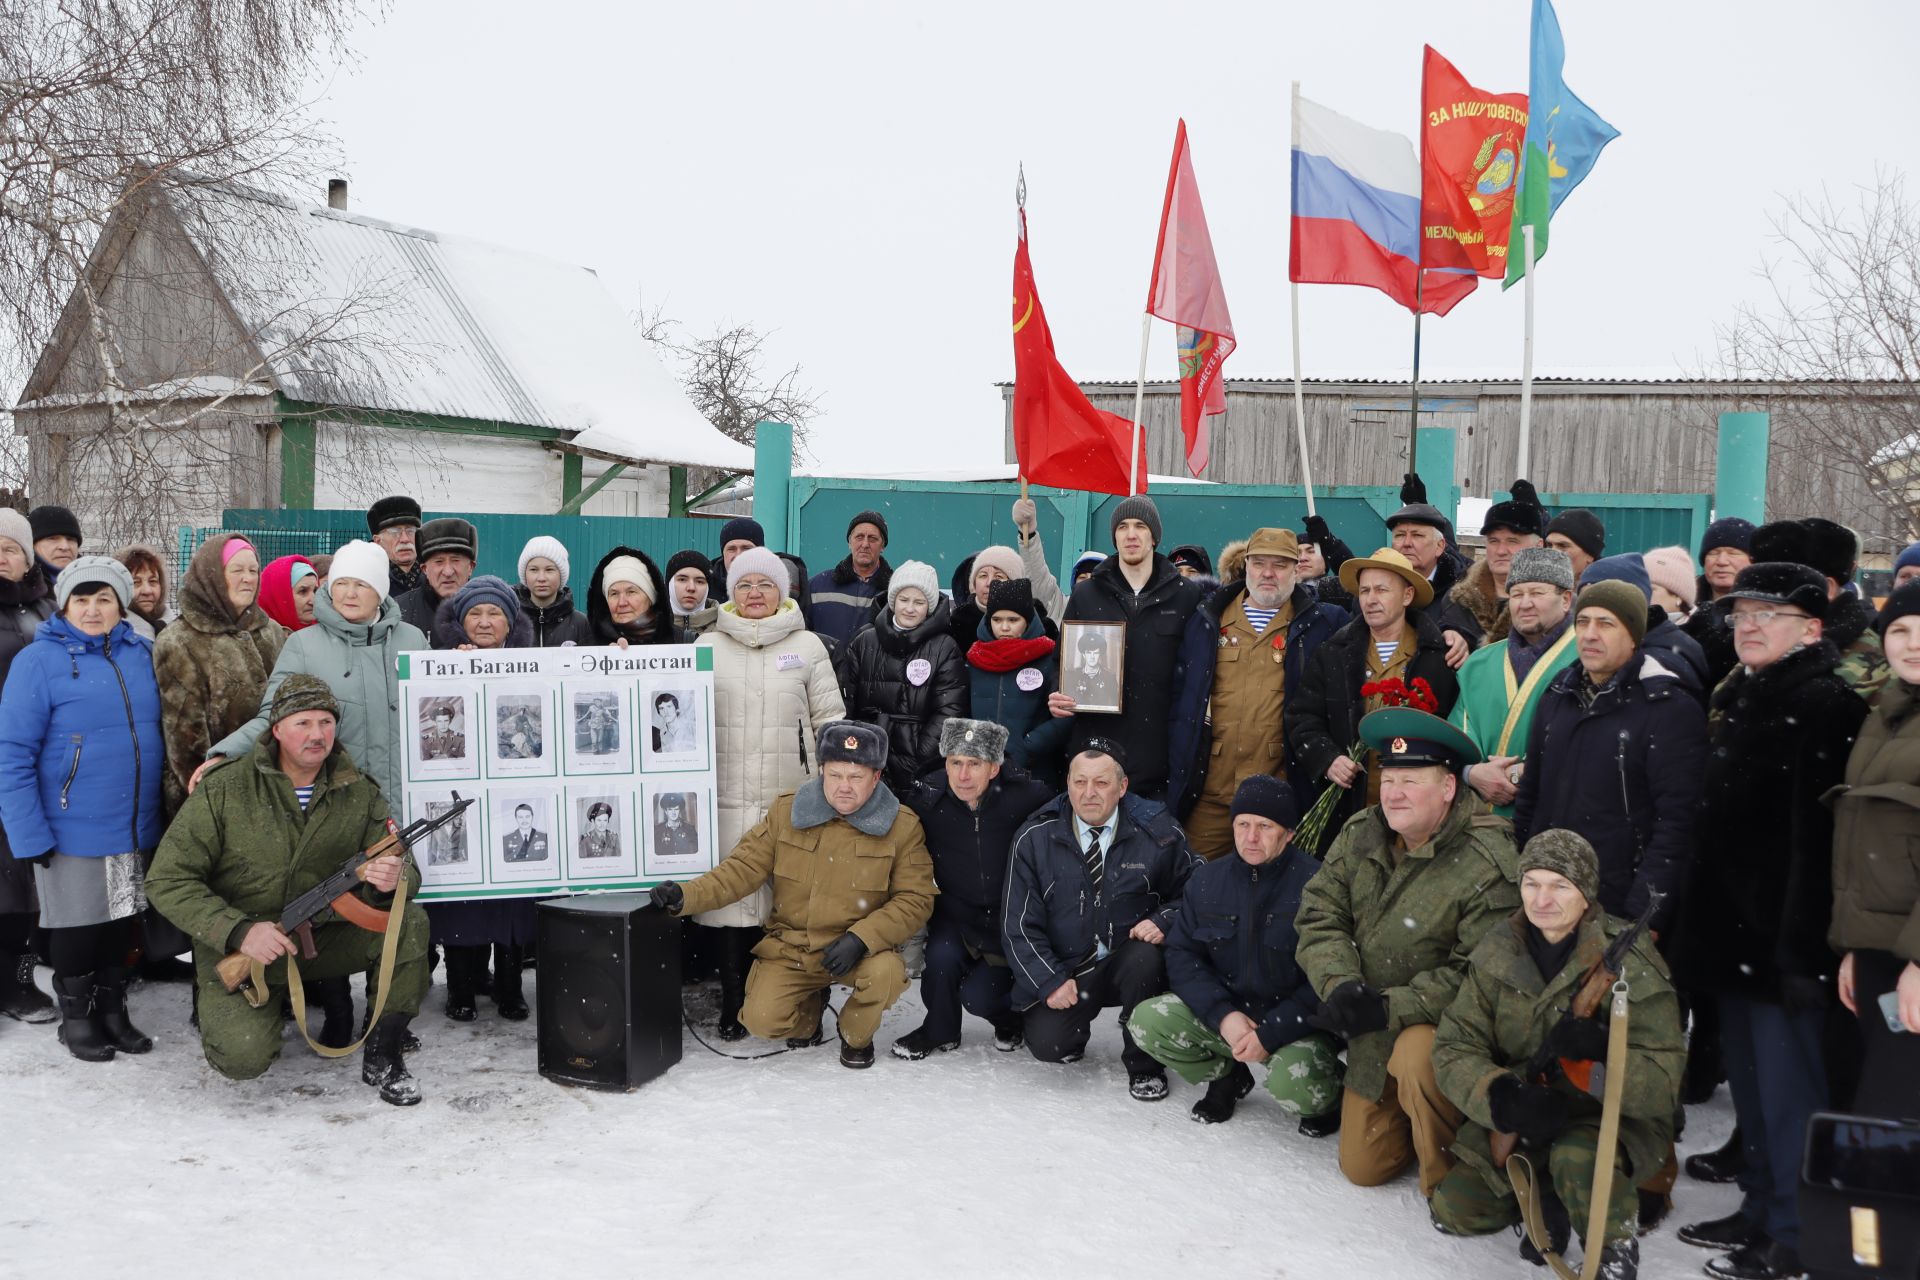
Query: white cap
[363, 562]
[550, 548]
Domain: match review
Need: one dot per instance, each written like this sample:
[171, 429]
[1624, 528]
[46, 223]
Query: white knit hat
[919, 575]
[759, 560]
[625, 569]
[362, 561]
[551, 548]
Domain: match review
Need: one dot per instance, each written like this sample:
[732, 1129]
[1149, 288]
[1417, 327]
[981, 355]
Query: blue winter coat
[1035, 737]
[80, 750]
[1231, 946]
[1189, 741]
[1051, 922]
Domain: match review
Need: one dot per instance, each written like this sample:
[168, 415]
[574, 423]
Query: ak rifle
[1593, 991]
[336, 892]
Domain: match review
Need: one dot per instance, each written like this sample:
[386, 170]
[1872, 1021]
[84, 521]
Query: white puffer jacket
[773, 690]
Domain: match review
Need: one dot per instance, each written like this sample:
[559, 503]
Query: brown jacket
[212, 668]
[1249, 689]
[868, 874]
[1478, 596]
[1876, 832]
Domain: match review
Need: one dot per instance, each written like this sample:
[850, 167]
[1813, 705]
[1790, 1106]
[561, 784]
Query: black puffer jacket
[1164, 666]
[1715, 638]
[1762, 892]
[1322, 717]
[24, 605]
[556, 625]
[655, 628]
[970, 848]
[908, 684]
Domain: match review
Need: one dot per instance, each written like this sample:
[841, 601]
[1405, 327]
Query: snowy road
[972, 1163]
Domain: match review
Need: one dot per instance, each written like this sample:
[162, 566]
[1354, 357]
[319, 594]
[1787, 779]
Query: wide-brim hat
[1406, 738]
[1393, 562]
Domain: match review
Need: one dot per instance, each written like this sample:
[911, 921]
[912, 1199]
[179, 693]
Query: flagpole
[1299, 396]
[1413, 431]
[1526, 365]
[1139, 402]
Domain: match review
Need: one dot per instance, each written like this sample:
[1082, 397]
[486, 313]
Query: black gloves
[1578, 1038]
[44, 860]
[1317, 531]
[1412, 489]
[842, 954]
[1352, 1009]
[1523, 491]
[1534, 1113]
[667, 896]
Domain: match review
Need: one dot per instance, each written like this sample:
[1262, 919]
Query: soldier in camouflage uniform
[1407, 891]
[1522, 977]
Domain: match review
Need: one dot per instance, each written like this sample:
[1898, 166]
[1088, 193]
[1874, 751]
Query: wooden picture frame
[1093, 665]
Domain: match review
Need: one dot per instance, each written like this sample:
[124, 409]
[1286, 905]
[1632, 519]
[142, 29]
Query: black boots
[463, 967]
[1324, 1125]
[859, 1059]
[384, 1066]
[1223, 1095]
[1723, 1165]
[734, 959]
[917, 1044]
[335, 998]
[80, 1028]
[20, 997]
[1555, 1221]
[110, 1008]
[1620, 1261]
[508, 996]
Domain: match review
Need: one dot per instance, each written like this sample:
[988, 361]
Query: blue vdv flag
[1564, 139]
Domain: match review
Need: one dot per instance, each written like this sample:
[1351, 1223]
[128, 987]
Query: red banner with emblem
[1470, 147]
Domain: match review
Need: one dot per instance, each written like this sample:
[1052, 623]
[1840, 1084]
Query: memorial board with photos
[593, 767]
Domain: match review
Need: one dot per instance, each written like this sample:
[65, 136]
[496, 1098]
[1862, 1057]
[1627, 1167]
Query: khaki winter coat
[1876, 832]
[774, 689]
[868, 874]
[1408, 930]
[1505, 1010]
[212, 668]
[1477, 594]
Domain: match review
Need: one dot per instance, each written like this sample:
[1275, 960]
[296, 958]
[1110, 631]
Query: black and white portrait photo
[443, 728]
[448, 844]
[598, 821]
[596, 723]
[519, 726]
[673, 725]
[676, 829]
[524, 841]
[599, 734]
[1094, 657]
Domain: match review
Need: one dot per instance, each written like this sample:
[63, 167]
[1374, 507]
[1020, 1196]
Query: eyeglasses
[1761, 617]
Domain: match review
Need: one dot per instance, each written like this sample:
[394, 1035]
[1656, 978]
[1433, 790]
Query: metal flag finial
[1020, 188]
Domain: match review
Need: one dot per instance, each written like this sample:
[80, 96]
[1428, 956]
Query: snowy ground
[973, 1163]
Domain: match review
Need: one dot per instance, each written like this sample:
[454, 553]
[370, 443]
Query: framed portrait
[1092, 671]
[599, 728]
[673, 728]
[523, 839]
[680, 829]
[519, 737]
[441, 731]
[452, 855]
[601, 844]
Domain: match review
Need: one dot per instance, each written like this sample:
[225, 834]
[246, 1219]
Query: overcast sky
[842, 175]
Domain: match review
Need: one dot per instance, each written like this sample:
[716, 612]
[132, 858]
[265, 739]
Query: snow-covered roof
[426, 323]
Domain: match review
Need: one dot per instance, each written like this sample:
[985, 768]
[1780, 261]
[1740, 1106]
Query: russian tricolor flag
[1356, 211]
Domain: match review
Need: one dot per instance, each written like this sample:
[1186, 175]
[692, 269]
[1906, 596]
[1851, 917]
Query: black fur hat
[1780, 582]
[1522, 518]
[1831, 548]
[852, 742]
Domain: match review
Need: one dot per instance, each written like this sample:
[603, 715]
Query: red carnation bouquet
[1392, 692]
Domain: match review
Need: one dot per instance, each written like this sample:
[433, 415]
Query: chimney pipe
[337, 193]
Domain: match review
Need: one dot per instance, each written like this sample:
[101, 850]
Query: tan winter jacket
[773, 690]
[1477, 594]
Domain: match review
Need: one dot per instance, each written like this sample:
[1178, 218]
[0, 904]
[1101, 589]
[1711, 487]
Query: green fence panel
[1643, 521]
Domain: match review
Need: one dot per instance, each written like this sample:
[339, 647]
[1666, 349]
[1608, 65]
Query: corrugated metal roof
[413, 321]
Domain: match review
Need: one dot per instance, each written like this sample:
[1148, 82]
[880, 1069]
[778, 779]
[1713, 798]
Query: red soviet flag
[1470, 145]
[1059, 437]
[1186, 290]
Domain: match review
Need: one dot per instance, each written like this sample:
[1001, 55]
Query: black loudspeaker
[608, 990]
[1860, 1198]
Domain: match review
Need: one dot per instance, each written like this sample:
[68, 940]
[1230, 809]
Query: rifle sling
[1520, 1170]
[297, 992]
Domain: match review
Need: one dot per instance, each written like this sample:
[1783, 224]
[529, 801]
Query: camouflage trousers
[1303, 1077]
[241, 1041]
[1474, 1199]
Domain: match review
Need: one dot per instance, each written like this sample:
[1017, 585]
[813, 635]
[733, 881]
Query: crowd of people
[1369, 821]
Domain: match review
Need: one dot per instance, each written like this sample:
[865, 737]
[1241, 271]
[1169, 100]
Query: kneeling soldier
[851, 882]
[1238, 996]
[255, 835]
[1522, 978]
[1408, 889]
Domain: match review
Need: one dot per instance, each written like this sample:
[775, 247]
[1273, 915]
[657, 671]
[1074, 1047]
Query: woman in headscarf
[287, 589]
[484, 614]
[148, 612]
